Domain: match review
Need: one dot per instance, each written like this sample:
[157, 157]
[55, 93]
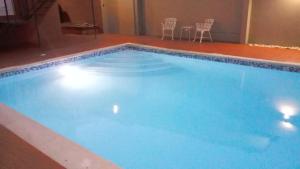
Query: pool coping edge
[60, 58]
[216, 57]
[216, 54]
[58, 148]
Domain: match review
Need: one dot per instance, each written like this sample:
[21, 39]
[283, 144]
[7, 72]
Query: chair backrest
[211, 21]
[207, 25]
[170, 23]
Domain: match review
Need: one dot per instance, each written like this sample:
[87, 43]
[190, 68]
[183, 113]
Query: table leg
[181, 34]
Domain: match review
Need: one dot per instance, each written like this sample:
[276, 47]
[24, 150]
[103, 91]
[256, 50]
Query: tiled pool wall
[60, 61]
[290, 67]
[179, 53]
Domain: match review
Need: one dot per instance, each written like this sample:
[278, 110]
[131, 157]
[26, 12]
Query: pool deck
[16, 153]
[24, 141]
[75, 44]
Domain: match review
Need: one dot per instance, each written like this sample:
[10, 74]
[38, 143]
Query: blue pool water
[146, 110]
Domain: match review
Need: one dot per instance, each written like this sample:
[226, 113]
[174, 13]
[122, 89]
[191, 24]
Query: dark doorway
[139, 12]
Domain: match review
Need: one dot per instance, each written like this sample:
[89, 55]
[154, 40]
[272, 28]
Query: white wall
[275, 22]
[268, 21]
[227, 13]
[118, 16]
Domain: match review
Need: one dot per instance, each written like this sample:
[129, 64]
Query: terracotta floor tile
[76, 43]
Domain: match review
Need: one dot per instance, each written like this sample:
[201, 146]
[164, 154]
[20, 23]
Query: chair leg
[195, 36]
[181, 34]
[201, 37]
[172, 34]
[210, 36]
[163, 35]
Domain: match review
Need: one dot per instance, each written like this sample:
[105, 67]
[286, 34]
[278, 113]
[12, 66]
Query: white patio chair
[168, 27]
[202, 28]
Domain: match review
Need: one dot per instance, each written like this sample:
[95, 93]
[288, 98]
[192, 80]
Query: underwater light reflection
[288, 111]
[75, 77]
[115, 109]
[287, 126]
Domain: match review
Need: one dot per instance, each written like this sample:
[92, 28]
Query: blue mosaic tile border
[224, 59]
[101, 52]
[75, 58]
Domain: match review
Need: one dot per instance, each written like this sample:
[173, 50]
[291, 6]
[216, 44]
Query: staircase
[40, 8]
[25, 11]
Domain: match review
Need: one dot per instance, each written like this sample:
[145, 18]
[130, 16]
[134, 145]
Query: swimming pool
[147, 108]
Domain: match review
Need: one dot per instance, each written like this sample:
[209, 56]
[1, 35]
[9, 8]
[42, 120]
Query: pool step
[163, 69]
[128, 61]
[129, 65]
[115, 69]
